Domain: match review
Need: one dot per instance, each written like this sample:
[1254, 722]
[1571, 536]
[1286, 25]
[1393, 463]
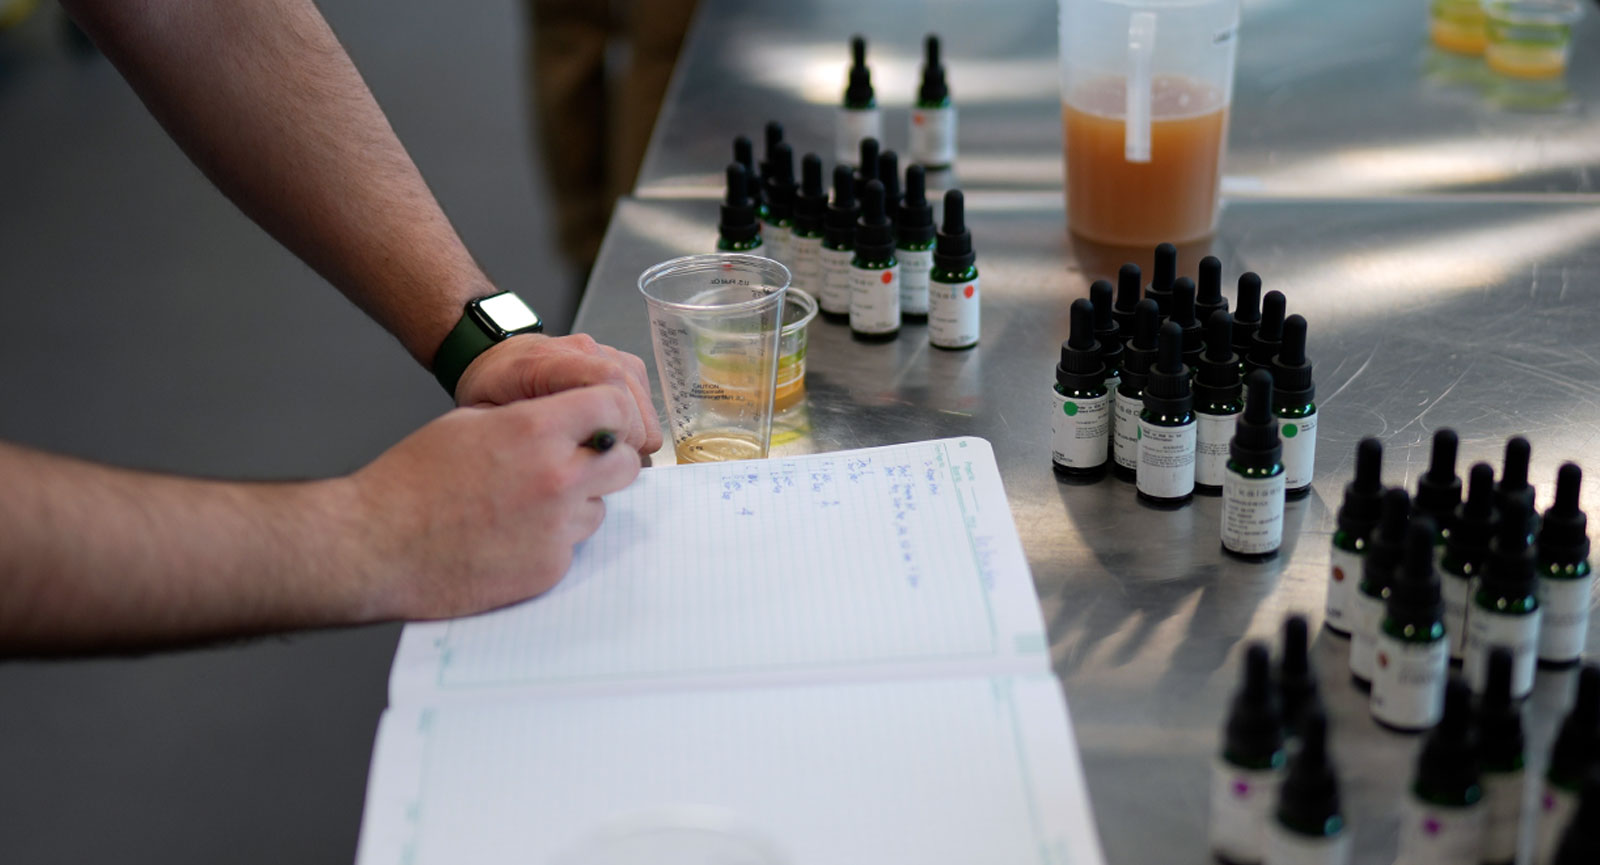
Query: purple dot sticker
[1241, 788]
[1549, 801]
[1431, 826]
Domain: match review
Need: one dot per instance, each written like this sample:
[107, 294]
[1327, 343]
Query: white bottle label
[1366, 614]
[1487, 630]
[875, 299]
[1213, 432]
[1457, 594]
[1252, 513]
[1166, 460]
[1078, 430]
[1439, 835]
[835, 297]
[915, 265]
[1566, 617]
[953, 313]
[1291, 848]
[1502, 814]
[1125, 431]
[1556, 807]
[855, 124]
[1344, 573]
[1408, 681]
[775, 245]
[933, 136]
[1299, 437]
[806, 272]
[1241, 808]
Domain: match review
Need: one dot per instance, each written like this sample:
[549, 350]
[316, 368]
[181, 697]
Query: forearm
[266, 102]
[98, 558]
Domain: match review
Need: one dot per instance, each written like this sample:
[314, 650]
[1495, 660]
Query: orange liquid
[1173, 197]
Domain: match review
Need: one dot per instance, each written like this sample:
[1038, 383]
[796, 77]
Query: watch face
[506, 313]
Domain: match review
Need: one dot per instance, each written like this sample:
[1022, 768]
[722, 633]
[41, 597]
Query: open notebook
[841, 654]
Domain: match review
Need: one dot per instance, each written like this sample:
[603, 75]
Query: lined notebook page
[829, 566]
[937, 772]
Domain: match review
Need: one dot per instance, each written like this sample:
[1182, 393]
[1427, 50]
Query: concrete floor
[145, 322]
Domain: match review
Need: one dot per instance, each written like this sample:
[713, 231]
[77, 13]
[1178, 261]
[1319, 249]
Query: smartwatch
[487, 320]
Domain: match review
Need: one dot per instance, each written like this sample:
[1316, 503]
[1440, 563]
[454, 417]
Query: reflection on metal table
[1331, 100]
[1471, 315]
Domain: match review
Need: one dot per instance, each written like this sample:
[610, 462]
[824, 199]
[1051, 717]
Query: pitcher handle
[1141, 49]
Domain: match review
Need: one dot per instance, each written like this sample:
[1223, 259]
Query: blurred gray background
[146, 323]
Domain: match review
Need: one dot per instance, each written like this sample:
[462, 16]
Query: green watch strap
[465, 342]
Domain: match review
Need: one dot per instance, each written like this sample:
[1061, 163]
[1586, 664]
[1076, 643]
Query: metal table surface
[1470, 314]
[1330, 100]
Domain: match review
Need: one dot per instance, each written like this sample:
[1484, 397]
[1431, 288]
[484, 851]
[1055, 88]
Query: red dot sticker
[887, 277]
[1338, 575]
[916, 119]
[969, 290]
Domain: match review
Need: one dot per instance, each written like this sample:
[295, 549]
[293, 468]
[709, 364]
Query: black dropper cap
[1577, 746]
[811, 200]
[867, 167]
[859, 92]
[1254, 732]
[843, 211]
[1448, 765]
[1580, 841]
[1386, 546]
[1363, 496]
[1142, 348]
[1208, 299]
[1439, 488]
[1129, 284]
[1564, 534]
[1269, 333]
[954, 250]
[874, 232]
[1309, 796]
[780, 182]
[774, 137]
[1511, 572]
[1297, 684]
[1217, 378]
[1291, 371]
[889, 176]
[744, 153]
[1474, 521]
[1500, 733]
[1514, 481]
[1246, 313]
[1081, 366]
[1183, 313]
[1166, 271]
[1105, 325]
[915, 222]
[1255, 442]
[738, 220]
[1166, 391]
[934, 89]
[1415, 597]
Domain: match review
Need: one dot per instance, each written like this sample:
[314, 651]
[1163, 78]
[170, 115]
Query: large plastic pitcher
[1145, 90]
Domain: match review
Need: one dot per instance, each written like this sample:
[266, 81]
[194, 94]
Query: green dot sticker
[1069, 408]
[1290, 430]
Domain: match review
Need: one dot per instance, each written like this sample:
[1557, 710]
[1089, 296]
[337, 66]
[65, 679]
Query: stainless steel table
[1331, 99]
[1445, 251]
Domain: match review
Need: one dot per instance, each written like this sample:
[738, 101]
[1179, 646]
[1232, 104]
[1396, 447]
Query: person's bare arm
[477, 509]
[265, 100]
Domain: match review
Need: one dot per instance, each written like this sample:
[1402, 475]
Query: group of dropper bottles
[1275, 792]
[1224, 407]
[872, 256]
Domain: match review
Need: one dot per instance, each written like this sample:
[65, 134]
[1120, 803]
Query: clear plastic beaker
[714, 323]
[1145, 90]
[1529, 39]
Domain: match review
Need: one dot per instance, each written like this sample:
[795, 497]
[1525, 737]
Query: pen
[601, 441]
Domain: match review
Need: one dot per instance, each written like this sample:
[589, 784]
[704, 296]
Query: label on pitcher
[915, 265]
[875, 299]
[1299, 436]
[835, 298]
[1078, 430]
[1213, 432]
[1166, 460]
